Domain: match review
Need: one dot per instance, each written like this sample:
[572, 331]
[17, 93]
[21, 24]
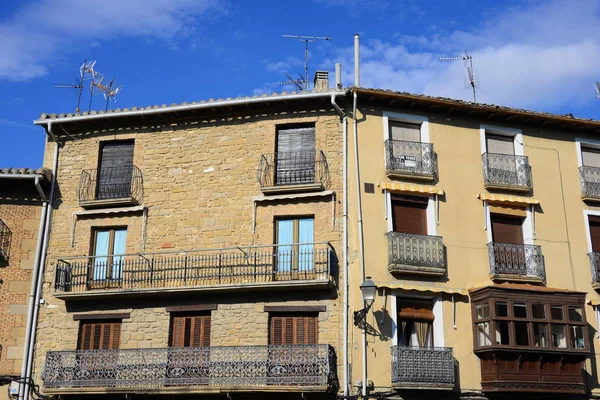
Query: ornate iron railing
[111, 183]
[410, 158]
[5, 239]
[589, 178]
[283, 365]
[425, 365]
[595, 265]
[506, 170]
[293, 168]
[196, 268]
[409, 249]
[524, 260]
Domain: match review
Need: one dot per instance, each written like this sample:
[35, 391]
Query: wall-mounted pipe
[356, 60]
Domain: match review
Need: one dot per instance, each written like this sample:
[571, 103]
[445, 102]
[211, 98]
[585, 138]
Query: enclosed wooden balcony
[111, 186]
[286, 368]
[589, 178]
[299, 265]
[506, 172]
[412, 160]
[298, 171]
[410, 253]
[5, 239]
[422, 368]
[516, 262]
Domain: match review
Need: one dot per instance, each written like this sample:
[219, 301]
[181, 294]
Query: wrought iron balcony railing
[416, 254]
[589, 178]
[244, 366]
[422, 366]
[595, 265]
[410, 159]
[304, 168]
[5, 239]
[123, 183]
[516, 260]
[506, 171]
[256, 265]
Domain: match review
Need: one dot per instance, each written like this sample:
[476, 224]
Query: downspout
[344, 237]
[361, 239]
[36, 283]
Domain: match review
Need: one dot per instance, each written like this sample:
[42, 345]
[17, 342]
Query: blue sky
[541, 55]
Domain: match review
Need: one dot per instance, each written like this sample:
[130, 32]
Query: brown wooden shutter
[294, 329]
[190, 330]
[104, 335]
[410, 214]
[595, 232]
[507, 229]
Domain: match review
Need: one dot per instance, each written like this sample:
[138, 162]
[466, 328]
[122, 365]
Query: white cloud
[542, 56]
[45, 29]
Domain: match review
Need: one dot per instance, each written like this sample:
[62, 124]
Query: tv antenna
[302, 83]
[111, 91]
[86, 71]
[470, 74]
[598, 89]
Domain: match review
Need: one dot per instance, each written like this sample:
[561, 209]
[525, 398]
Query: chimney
[321, 81]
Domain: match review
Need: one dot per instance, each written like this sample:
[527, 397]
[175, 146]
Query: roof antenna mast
[469, 73]
[86, 72]
[302, 83]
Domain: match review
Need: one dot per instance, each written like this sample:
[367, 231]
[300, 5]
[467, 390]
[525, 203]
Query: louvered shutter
[410, 214]
[590, 157]
[294, 329]
[507, 229]
[295, 159]
[595, 232]
[405, 132]
[499, 144]
[99, 335]
[115, 170]
[190, 330]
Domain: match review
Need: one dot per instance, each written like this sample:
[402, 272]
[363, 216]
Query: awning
[420, 288]
[593, 302]
[409, 187]
[506, 199]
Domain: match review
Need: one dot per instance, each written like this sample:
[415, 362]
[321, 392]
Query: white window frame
[430, 212]
[528, 224]
[516, 134]
[588, 143]
[421, 120]
[438, 321]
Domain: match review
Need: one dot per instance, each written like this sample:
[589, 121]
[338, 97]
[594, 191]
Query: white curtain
[101, 261]
[119, 248]
[306, 235]
[285, 235]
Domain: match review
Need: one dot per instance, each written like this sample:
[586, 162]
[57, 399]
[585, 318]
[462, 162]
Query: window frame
[203, 315]
[390, 116]
[111, 246]
[103, 323]
[437, 307]
[430, 211]
[295, 261]
[516, 134]
[301, 314]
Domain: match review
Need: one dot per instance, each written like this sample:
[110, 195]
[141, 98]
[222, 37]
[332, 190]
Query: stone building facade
[205, 242]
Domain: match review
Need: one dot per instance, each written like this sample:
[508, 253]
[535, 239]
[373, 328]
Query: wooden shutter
[405, 132]
[507, 229]
[410, 214]
[296, 139]
[190, 330]
[293, 329]
[595, 232]
[499, 144]
[116, 154]
[99, 335]
[590, 157]
[115, 170]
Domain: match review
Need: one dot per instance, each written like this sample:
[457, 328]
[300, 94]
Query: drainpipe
[36, 283]
[344, 229]
[361, 239]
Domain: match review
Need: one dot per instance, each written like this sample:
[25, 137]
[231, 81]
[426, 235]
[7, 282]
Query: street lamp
[368, 290]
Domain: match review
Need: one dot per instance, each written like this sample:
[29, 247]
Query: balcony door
[115, 170]
[295, 157]
[501, 161]
[507, 236]
[406, 150]
[107, 263]
[415, 323]
[98, 335]
[295, 247]
[189, 352]
[409, 214]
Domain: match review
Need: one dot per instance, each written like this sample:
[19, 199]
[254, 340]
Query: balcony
[410, 253]
[505, 171]
[235, 268]
[299, 171]
[412, 160]
[595, 265]
[106, 187]
[5, 239]
[422, 368]
[589, 177]
[302, 368]
[516, 262]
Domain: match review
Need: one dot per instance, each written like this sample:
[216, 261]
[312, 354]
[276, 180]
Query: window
[295, 157]
[295, 244]
[405, 132]
[590, 157]
[499, 144]
[190, 330]
[415, 323]
[96, 335]
[409, 214]
[108, 247]
[594, 227]
[529, 323]
[115, 170]
[296, 328]
[507, 229]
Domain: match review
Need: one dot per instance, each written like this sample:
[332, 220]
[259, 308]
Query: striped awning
[409, 187]
[593, 302]
[421, 288]
[506, 199]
